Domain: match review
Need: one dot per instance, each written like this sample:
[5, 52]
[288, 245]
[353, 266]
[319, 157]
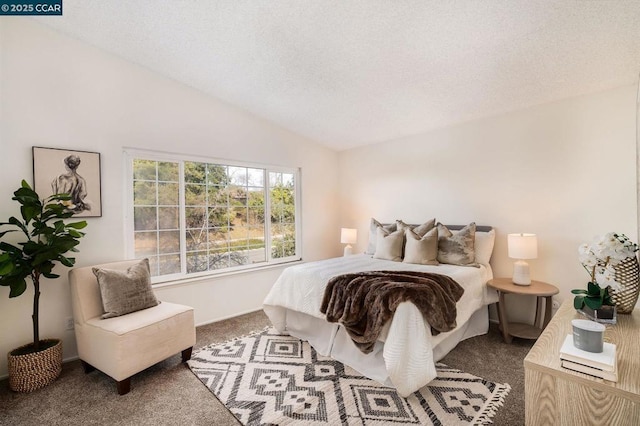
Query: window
[192, 217]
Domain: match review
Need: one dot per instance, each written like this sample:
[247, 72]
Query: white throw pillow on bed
[484, 246]
[389, 245]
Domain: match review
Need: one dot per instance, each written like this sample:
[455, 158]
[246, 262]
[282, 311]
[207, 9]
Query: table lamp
[521, 247]
[348, 236]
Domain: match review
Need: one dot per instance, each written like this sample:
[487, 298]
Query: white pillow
[484, 246]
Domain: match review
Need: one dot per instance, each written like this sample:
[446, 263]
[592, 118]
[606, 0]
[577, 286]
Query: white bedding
[407, 352]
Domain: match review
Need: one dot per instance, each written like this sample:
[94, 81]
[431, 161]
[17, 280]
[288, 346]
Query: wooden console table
[557, 396]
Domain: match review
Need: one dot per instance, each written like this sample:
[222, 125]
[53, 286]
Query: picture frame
[69, 171]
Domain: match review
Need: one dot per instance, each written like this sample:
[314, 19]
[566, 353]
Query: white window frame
[131, 154]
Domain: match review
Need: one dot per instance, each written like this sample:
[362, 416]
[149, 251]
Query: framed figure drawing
[77, 173]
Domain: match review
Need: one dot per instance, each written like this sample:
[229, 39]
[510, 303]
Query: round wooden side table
[543, 292]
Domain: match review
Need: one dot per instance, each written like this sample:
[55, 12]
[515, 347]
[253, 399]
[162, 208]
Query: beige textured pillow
[420, 230]
[373, 236]
[127, 291]
[389, 245]
[459, 248]
[422, 251]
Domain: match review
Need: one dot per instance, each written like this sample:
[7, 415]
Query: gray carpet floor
[169, 394]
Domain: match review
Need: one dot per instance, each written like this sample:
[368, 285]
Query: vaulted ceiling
[351, 73]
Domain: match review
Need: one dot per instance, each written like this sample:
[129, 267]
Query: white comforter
[408, 354]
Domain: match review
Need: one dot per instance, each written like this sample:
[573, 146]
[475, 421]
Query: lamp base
[521, 274]
[348, 250]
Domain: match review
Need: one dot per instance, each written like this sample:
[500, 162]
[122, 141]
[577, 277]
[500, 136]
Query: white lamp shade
[348, 235]
[522, 246]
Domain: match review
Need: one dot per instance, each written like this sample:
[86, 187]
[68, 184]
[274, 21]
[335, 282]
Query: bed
[405, 354]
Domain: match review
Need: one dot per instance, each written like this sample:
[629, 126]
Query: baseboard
[71, 358]
[229, 316]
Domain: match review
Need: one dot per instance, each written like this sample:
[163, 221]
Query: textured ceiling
[350, 73]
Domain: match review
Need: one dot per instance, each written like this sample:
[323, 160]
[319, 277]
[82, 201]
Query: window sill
[209, 277]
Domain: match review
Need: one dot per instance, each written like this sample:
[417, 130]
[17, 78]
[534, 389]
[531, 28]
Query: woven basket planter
[628, 275]
[36, 370]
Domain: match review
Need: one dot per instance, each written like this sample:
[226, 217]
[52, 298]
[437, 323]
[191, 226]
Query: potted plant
[47, 240]
[600, 259]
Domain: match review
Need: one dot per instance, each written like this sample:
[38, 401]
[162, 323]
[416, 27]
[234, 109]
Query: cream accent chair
[123, 346]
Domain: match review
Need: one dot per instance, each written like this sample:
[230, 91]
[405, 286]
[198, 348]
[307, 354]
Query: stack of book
[601, 364]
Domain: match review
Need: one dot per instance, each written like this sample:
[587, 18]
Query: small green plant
[48, 239]
[594, 297]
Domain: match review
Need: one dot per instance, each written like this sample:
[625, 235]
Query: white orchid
[600, 257]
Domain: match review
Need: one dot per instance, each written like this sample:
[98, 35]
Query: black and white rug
[270, 379]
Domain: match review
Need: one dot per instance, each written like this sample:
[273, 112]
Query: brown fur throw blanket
[363, 302]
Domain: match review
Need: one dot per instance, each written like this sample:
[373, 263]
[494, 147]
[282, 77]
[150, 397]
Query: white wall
[565, 171]
[58, 92]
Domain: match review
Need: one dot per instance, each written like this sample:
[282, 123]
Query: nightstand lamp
[348, 236]
[521, 247]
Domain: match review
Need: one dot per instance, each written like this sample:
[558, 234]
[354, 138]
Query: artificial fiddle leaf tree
[47, 238]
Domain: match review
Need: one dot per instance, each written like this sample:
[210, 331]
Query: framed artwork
[77, 173]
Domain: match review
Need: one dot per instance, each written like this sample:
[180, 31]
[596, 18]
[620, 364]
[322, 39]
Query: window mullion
[183, 219]
[267, 216]
[297, 208]
[157, 183]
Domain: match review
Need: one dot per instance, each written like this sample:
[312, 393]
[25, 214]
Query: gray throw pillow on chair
[125, 291]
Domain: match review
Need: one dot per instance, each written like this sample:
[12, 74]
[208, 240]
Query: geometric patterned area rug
[271, 379]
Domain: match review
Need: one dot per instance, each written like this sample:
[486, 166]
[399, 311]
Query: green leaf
[16, 222]
[578, 302]
[579, 291]
[49, 275]
[75, 233]
[61, 197]
[29, 212]
[18, 288]
[77, 225]
[6, 268]
[66, 261]
[59, 226]
[593, 302]
[593, 288]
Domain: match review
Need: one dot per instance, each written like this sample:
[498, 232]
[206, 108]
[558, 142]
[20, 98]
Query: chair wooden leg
[124, 386]
[186, 354]
[88, 368]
